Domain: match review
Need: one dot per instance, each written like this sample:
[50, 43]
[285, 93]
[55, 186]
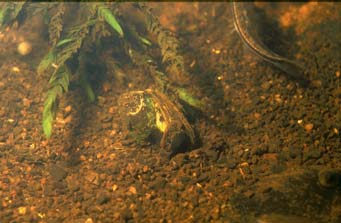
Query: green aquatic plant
[95, 27]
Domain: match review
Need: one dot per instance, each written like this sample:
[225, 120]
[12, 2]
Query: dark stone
[249, 194]
[267, 190]
[185, 179]
[204, 177]
[294, 152]
[53, 156]
[57, 173]
[102, 198]
[231, 163]
[159, 183]
[260, 151]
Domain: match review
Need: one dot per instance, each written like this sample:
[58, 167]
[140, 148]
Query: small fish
[241, 20]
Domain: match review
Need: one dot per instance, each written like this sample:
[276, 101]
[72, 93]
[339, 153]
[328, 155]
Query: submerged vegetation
[102, 30]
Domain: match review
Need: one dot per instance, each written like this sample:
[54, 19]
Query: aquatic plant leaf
[189, 99]
[100, 30]
[17, 7]
[134, 37]
[73, 41]
[64, 41]
[2, 15]
[56, 24]
[65, 52]
[111, 20]
[169, 46]
[88, 90]
[9, 12]
[5, 15]
[49, 111]
[59, 84]
[145, 41]
[46, 62]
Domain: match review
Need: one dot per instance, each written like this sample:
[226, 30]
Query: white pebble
[24, 48]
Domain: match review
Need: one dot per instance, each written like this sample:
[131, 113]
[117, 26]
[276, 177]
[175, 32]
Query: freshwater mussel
[149, 116]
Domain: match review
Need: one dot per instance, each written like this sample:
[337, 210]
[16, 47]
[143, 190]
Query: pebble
[257, 115]
[215, 213]
[68, 109]
[145, 169]
[231, 163]
[22, 210]
[249, 193]
[24, 48]
[114, 187]
[89, 220]
[57, 173]
[317, 83]
[132, 190]
[102, 198]
[92, 177]
[309, 127]
[106, 86]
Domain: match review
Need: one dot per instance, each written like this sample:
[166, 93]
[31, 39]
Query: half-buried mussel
[149, 117]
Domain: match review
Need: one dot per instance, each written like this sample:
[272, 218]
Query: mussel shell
[150, 117]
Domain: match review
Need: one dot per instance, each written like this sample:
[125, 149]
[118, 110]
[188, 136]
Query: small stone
[145, 169]
[24, 48]
[215, 213]
[112, 110]
[148, 196]
[231, 163]
[265, 85]
[89, 220]
[336, 131]
[249, 194]
[316, 83]
[22, 210]
[112, 156]
[132, 190]
[92, 177]
[309, 127]
[106, 86]
[57, 173]
[257, 115]
[101, 100]
[114, 187]
[99, 155]
[68, 108]
[102, 198]
[26, 102]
